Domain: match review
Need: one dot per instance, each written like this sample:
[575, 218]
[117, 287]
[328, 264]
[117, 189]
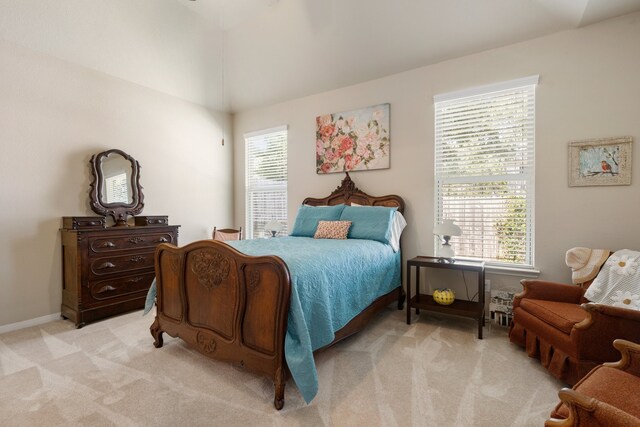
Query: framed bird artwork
[603, 161]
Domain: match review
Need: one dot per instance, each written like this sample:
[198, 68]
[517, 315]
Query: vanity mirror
[116, 189]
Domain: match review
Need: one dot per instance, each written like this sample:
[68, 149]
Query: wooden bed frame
[248, 323]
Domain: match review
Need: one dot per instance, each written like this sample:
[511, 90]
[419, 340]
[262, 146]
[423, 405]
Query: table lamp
[445, 231]
[274, 227]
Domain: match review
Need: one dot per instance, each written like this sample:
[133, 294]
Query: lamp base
[446, 251]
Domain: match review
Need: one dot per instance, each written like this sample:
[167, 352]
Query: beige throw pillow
[332, 230]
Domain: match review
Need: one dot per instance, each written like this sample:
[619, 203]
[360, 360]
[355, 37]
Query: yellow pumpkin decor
[444, 296]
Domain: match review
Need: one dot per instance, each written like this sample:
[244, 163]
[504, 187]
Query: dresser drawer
[99, 245]
[121, 263]
[152, 220]
[108, 271]
[83, 222]
[111, 288]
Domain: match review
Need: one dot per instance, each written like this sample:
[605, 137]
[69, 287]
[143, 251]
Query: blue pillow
[308, 217]
[369, 222]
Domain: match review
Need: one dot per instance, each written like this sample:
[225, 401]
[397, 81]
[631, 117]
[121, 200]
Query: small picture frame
[601, 161]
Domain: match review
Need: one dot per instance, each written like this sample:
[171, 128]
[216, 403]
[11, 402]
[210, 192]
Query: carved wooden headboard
[348, 193]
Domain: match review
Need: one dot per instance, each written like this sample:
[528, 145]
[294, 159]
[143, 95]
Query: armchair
[569, 335]
[607, 396]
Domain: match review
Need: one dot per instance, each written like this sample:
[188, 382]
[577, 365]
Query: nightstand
[425, 302]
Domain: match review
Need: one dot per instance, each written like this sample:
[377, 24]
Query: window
[484, 169]
[266, 180]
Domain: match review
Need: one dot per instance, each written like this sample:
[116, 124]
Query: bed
[265, 312]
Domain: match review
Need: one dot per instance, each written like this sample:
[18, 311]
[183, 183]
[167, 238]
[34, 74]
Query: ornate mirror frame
[119, 211]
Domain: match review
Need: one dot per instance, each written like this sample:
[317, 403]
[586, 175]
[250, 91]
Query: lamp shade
[273, 226]
[447, 228]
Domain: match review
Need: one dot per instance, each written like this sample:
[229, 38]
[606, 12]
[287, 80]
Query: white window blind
[266, 180]
[484, 167]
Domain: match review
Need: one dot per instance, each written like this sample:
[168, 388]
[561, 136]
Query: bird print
[606, 167]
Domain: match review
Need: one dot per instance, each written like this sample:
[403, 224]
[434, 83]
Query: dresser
[107, 271]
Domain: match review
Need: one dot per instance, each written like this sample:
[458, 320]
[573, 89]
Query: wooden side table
[463, 308]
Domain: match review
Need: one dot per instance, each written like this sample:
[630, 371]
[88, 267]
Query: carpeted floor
[433, 373]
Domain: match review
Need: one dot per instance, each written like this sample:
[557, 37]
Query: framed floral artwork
[604, 161]
[353, 140]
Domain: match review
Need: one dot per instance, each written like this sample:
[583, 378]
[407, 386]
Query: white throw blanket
[618, 283]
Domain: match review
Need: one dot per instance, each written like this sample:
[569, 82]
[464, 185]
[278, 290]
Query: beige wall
[589, 87]
[53, 116]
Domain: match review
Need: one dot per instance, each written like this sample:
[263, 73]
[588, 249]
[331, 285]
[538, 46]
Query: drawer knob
[163, 240]
[108, 245]
[106, 265]
[137, 258]
[106, 288]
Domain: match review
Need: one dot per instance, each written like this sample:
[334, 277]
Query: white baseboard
[27, 323]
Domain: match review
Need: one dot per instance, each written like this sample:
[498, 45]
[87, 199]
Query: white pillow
[398, 224]
[618, 282]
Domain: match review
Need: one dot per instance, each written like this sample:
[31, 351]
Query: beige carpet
[433, 373]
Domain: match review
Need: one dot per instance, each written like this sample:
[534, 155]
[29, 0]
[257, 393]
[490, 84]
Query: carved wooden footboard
[234, 307]
[228, 305]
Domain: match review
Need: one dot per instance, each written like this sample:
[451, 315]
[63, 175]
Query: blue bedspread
[332, 281]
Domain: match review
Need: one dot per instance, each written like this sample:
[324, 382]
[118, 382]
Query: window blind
[484, 167]
[266, 180]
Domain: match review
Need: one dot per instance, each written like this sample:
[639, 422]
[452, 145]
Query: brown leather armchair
[570, 336]
[606, 396]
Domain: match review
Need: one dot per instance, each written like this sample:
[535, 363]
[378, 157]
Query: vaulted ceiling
[282, 49]
[274, 50]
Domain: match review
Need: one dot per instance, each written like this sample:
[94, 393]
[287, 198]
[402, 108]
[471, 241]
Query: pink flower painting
[353, 140]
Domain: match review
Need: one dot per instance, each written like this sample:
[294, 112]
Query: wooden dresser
[107, 271]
